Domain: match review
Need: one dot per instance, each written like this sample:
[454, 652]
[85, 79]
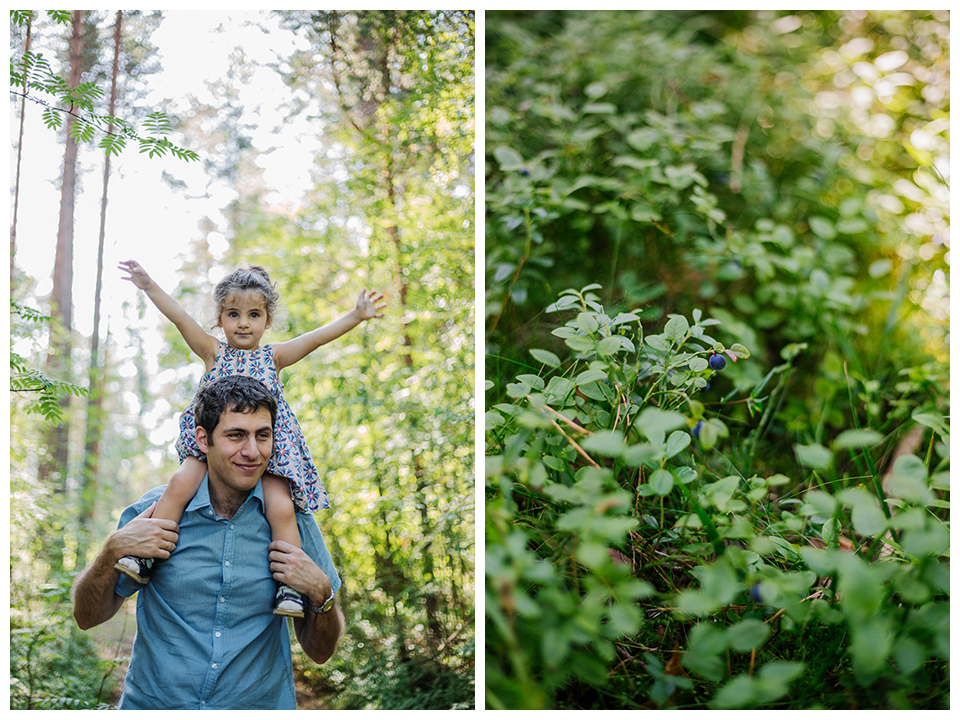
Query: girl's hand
[136, 274]
[367, 306]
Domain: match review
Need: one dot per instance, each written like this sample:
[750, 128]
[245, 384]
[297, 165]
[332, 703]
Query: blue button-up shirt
[207, 637]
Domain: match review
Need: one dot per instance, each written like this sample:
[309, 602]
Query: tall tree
[53, 469]
[94, 420]
[16, 192]
[61, 298]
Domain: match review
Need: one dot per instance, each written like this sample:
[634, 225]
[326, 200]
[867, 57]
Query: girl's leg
[183, 485]
[278, 506]
[180, 490]
[282, 516]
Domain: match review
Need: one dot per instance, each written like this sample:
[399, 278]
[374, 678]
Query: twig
[573, 442]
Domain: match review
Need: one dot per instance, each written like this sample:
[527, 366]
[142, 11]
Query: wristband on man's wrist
[325, 608]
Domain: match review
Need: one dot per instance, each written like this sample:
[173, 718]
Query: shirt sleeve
[311, 540]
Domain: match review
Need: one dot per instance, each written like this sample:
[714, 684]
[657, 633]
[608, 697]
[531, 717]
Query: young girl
[245, 306]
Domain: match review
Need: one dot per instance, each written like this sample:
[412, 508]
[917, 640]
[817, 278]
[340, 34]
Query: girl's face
[244, 319]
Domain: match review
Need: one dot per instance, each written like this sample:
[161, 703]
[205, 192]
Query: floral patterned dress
[291, 458]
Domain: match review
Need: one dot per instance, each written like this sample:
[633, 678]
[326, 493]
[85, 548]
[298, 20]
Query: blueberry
[717, 362]
[755, 593]
[696, 429]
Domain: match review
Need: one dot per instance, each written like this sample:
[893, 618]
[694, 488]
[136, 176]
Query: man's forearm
[94, 598]
[319, 633]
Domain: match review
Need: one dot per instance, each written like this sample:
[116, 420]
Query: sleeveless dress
[291, 458]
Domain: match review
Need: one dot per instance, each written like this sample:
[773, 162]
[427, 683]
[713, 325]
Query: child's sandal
[139, 569]
[288, 602]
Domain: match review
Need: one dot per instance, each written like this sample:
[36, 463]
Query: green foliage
[760, 166]
[31, 73]
[53, 665]
[611, 529]
[25, 379]
[356, 679]
[687, 163]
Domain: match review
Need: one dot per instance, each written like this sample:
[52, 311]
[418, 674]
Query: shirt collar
[201, 499]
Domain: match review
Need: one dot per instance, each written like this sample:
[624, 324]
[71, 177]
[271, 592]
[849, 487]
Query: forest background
[717, 359]
[336, 150]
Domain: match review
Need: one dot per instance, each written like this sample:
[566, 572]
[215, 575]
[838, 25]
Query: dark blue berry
[696, 429]
[755, 593]
[524, 172]
[717, 362]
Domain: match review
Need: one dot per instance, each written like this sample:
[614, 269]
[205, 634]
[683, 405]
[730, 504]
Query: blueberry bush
[620, 537]
[717, 422]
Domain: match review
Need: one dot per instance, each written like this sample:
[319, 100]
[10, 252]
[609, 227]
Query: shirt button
[223, 600]
[228, 563]
[218, 634]
[214, 666]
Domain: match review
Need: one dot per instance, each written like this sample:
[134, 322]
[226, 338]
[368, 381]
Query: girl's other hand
[135, 274]
[367, 305]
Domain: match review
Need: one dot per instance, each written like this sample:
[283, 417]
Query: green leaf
[625, 318]
[746, 691]
[694, 603]
[546, 357]
[820, 503]
[593, 554]
[534, 381]
[856, 438]
[908, 480]
[559, 387]
[711, 432]
[644, 454]
[704, 645]
[868, 518]
[933, 540]
[625, 619]
[657, 342]
[589, 376]
[605, 442]
[508, 158]
[747, 634]
[654, 422]
[609, 346]
[822, 227]
[676, 328]
[931, 421]
[580, 343]
[869, 648]
[677, 441]
[661, 481]
[587, 322]
[720, 492]
[814, 456]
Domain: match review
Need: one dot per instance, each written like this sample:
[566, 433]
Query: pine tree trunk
[53, 467]
[94, 427]
[16, 191]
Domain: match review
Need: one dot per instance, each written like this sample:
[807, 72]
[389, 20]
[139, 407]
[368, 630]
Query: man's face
[238, 451]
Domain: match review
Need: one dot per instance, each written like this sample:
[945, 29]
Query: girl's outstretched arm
[203, 344]
[369, 305]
